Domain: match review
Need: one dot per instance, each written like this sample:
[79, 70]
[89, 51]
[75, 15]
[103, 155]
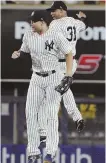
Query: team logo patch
[49, 46]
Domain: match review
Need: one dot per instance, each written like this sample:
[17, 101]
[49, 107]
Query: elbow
[69, 54]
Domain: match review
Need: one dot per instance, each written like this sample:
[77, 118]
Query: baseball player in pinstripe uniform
[70, 28]
[44, 46]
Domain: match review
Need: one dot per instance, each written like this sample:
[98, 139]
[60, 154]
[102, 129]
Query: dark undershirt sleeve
[23, 54]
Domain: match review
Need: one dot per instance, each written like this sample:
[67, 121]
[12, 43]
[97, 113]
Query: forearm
[23, 54]
[18, 54]
[85, 21]
[69, 63]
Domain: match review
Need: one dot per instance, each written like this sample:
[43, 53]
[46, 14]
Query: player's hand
[15, 55]
[81, 14]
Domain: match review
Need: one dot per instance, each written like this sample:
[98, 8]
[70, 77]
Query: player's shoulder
[67, 18]
[54, 23]
[28, 32]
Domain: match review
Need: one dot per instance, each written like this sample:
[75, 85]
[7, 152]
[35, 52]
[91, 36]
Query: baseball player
[70, 28]
[44, 46]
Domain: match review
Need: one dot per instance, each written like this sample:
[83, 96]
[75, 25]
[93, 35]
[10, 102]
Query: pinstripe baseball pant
[72, 110]
[69, 103]
[41, 92]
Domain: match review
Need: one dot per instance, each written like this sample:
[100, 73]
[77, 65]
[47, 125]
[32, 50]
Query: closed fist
[15, 55]
[81, 14]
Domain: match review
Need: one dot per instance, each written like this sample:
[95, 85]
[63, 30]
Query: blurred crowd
[46, 2]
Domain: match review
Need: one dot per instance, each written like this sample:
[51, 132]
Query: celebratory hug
[53, 50]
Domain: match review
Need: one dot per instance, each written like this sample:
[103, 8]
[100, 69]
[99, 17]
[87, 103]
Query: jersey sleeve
[24, 46]
[80, 25]
[63, 44]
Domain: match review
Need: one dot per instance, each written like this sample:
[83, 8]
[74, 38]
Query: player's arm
[82, 17]
[66, 49]
[69, 63]
[19, 54]
[24, 50]
[55, 26]
[81, 22]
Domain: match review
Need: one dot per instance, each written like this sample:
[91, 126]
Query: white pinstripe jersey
[70, 28]
[44, 49]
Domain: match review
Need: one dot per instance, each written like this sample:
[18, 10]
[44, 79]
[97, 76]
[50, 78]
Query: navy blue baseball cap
[40, 15]
[37, 16]
[57, 5]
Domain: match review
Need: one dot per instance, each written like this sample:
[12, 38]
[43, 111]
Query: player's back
[70, 28]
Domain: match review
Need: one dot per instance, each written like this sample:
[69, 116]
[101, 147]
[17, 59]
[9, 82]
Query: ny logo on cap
[52, 4]
[32, 13]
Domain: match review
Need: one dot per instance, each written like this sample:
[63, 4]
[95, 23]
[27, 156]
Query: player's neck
[63, 16]
[44, 29]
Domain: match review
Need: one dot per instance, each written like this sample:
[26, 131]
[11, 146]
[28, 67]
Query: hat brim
[50, 9]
